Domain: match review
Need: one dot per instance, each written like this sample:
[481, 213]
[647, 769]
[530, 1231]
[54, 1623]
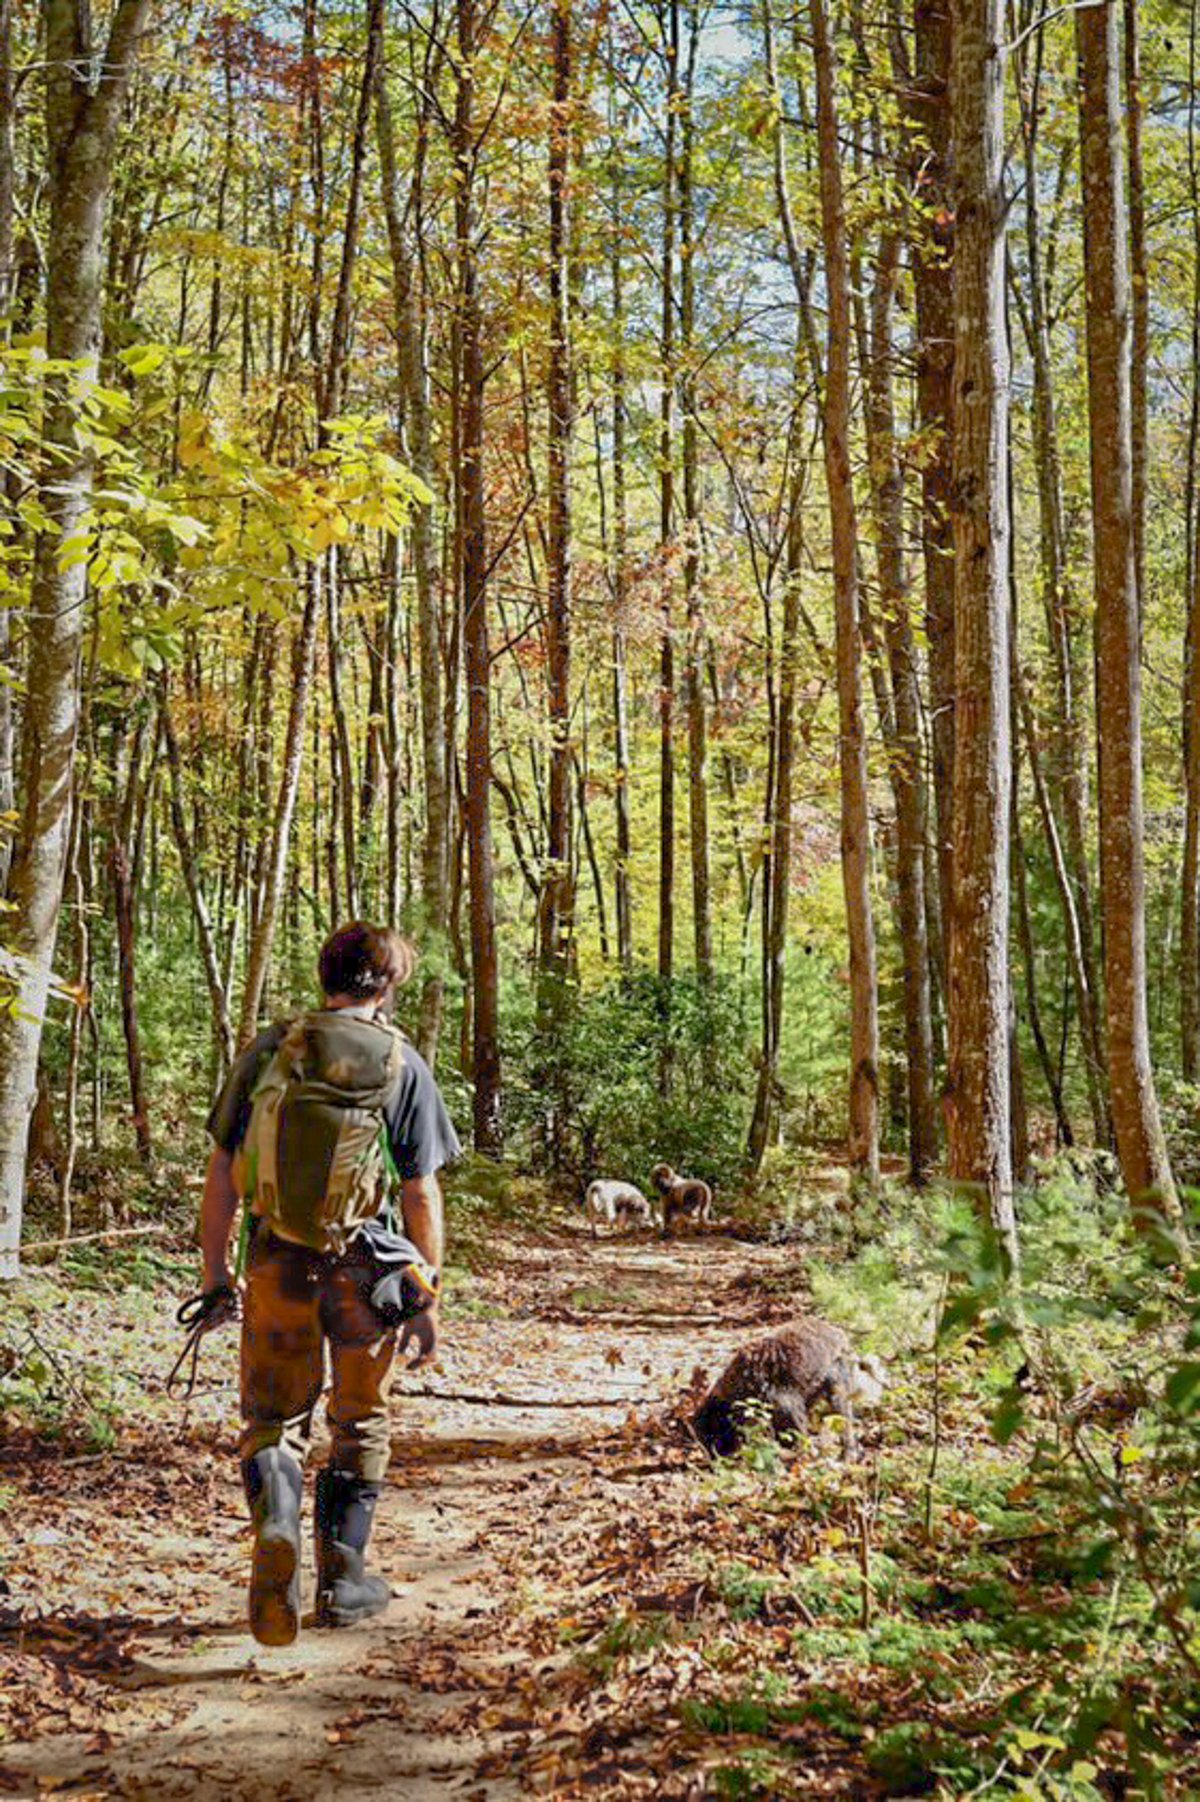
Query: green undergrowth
[1002, 1596]
[486, 1198]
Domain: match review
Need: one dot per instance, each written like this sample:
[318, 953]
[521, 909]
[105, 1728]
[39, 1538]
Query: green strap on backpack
[318, 1160]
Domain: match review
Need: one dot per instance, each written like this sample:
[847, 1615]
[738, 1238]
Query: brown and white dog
[616, 1204]
[684, 1198]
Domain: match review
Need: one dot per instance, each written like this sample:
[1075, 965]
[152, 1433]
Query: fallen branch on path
[631, 1318]
[500, 1400]
[113, 1232]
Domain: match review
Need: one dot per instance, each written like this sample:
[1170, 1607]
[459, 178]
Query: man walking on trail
[315, 1117]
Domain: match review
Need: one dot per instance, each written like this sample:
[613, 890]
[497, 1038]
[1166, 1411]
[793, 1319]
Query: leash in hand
[201, 1314]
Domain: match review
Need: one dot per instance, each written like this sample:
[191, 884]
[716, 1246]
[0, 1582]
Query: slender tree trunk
[263, 938]
[1066, 1134]
[81, 125]
[333, 392]
[1141, 1146]
[1085, 1001]
[697, 637]
[929, 113]
[10, 484]
[1189, 909]
[472, 525]
[1140, 299]
[887, 490]
[340, 751]
[619, 684]
[217, 993]
[412, 368]
[979, 1078]
[556, 905]
[778, 860]
[666, 492]
[124, 908]
[8, 163]
[1068, 773]
[856, 843]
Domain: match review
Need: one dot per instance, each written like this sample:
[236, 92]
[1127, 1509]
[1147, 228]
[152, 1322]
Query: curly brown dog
[684, 1198]
[787, 1374]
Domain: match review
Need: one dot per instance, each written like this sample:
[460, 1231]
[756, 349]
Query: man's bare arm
[421, 1206]
[218, 1210]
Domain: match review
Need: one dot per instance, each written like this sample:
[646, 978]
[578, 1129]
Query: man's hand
[424, 1331]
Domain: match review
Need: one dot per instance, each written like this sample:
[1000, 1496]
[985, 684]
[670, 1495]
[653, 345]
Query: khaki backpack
[316, 1157]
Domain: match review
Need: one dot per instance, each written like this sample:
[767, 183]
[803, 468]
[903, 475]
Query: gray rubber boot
[274, 1485]
[346, 1591]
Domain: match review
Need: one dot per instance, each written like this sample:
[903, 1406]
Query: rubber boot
[274, 1485]
[346, 1591]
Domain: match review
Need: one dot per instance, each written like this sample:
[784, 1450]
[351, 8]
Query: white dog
[617, 1203]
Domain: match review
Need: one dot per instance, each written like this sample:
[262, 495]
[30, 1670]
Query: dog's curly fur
[684, 1198]
[788, 1373]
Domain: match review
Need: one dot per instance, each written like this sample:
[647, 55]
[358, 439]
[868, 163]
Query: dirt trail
[123, 1633]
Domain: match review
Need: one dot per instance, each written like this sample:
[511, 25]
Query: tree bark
[556, 905]
[979, 1098]
[666, 517]
[217, 992]
[412, 369]
[852, 756]
[81, 126]
[1068, 777]
[263, 938]
[1140, 273]
[906, 749]
[620, 584]
[778, 857]
[929, 113]
[472, 527]
[697, 713]
[1141, 1146]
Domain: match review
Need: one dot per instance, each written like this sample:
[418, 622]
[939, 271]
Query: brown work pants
[296, 1301]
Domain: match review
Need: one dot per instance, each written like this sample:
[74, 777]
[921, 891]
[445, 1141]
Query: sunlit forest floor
[584, 1606]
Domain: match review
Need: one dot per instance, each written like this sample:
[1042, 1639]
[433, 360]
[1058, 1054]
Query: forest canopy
[665, 503]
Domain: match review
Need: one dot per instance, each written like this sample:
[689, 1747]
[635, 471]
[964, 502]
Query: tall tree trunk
[333, 388]
[697, 637]
[620, 587]
[340, 752]
[1189, 909]
[856, 841]
[412, 368]
[1140, 372]
[556, 905]
[8, 160]
[887, 490]
[979, 1078]
[928, 108]
[263, 938]
[217, 992]
[778, 858]
[1141, 1147]
[10, 486]
[1068, 773]
[472, 527]
[125, 869]
[81, 126]
[666, 513]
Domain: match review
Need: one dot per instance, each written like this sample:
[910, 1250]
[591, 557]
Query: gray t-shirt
[420, 1130]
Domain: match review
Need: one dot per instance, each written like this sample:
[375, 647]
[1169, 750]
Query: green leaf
[1183, 1388]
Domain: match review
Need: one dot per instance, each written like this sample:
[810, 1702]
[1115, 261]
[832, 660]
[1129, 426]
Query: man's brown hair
[360, 960]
